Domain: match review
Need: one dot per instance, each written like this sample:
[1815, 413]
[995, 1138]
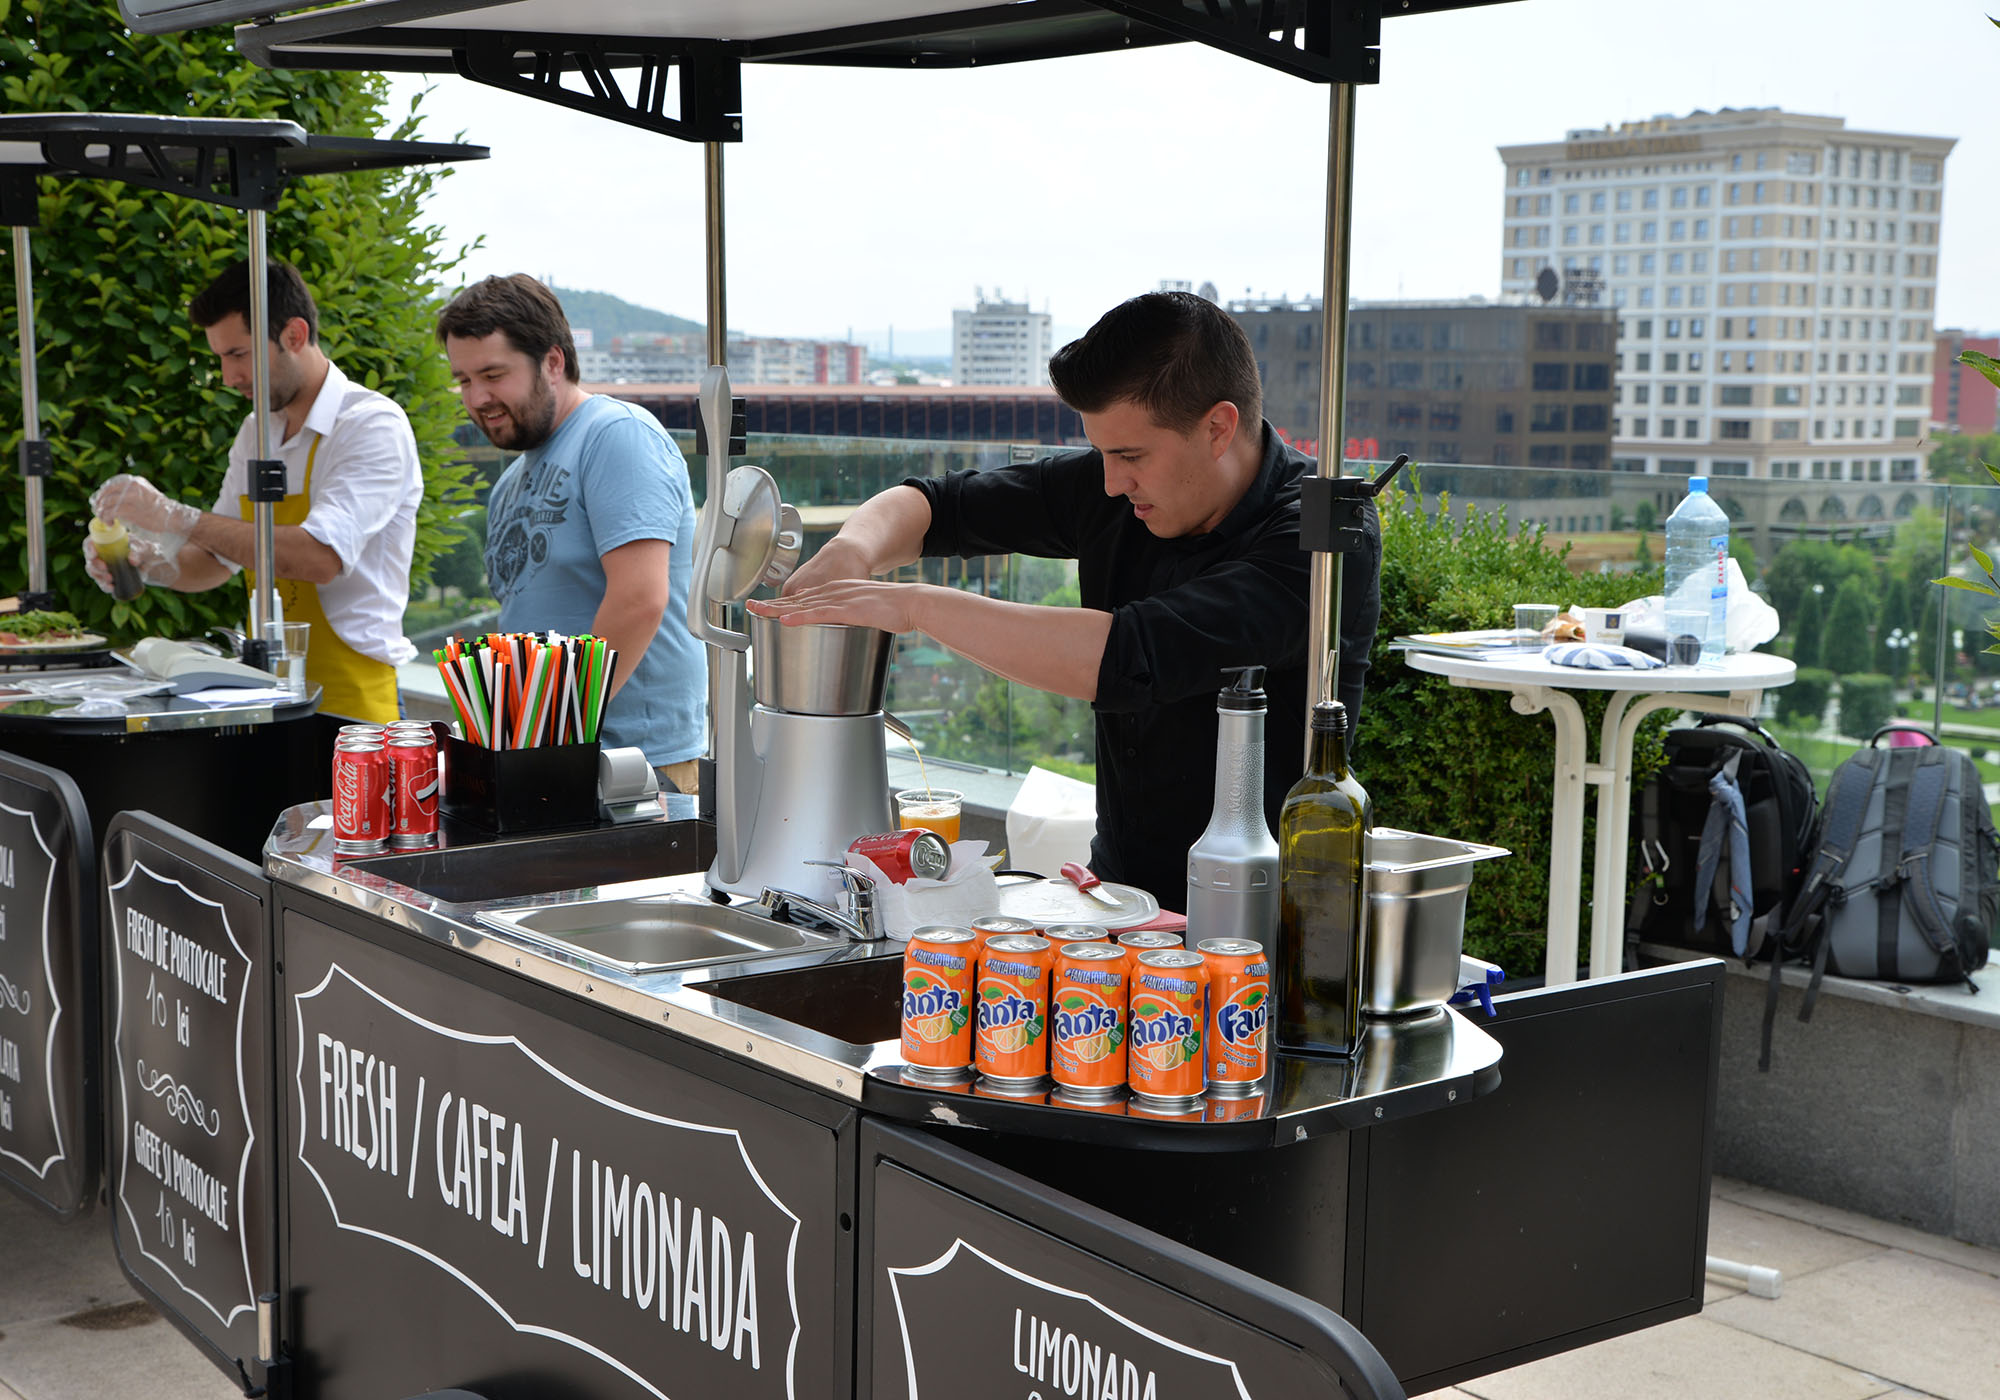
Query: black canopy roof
[218, 160]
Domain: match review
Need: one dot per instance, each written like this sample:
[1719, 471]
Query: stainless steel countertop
[1404, 1069]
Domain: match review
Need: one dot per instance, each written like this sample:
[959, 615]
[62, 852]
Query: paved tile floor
[1868, 1310]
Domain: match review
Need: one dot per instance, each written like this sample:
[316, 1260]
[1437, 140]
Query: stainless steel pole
[715, 264]
[1324, 596]
[31, 411]
[265, 550]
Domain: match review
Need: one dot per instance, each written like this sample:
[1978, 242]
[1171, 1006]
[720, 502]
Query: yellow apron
[351, 684]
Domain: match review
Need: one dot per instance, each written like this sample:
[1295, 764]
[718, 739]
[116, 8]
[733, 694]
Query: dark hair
[285, 299]
[1175, 354]
[522, 307]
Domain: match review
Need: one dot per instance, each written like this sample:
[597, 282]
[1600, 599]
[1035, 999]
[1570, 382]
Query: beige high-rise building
[1774, 277]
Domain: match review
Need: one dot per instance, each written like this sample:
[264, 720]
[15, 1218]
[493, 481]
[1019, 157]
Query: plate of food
[38, 633]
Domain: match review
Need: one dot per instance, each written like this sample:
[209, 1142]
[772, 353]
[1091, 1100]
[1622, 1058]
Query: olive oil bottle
[1317, 970]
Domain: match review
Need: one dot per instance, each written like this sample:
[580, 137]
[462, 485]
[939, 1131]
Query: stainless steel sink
[656, 933]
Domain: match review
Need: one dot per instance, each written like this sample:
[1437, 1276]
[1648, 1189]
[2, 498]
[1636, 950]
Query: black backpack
[1672, 809]
[1903, 883]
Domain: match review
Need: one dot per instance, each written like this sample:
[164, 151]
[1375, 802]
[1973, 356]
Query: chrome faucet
[859, 919]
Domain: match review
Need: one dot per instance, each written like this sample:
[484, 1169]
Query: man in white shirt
[347, 525]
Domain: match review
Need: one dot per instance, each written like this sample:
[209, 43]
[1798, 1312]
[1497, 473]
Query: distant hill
[608, 316]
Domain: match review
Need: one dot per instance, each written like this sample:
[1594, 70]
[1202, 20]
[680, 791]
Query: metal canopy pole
[715, 264]
[1324, 590]
[263, 597]
[34, 452]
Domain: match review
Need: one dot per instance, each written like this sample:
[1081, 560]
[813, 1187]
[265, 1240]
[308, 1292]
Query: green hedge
[1804, 700]
[1456, 762]
[1867, 702]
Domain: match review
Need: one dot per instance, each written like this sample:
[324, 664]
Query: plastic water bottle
[1697, 590]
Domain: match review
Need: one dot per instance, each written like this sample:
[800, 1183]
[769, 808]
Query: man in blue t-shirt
[591, 528]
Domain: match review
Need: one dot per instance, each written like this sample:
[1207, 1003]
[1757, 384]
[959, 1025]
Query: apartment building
[664, 358]
[1774, 277]
[1000, 343]
[1502, 384]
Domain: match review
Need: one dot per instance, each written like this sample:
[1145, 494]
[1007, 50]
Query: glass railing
[1847, 565]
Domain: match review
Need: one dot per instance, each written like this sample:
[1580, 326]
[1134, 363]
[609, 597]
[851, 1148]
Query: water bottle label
[1719, 546]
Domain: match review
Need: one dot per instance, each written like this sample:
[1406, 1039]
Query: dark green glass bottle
[1317, 970]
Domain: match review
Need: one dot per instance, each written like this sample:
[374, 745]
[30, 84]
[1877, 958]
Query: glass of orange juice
[933, 809]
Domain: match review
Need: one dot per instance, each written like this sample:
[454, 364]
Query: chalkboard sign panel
[486, 1196]
[48, 981]
[1047, 1297]
[187, 1006]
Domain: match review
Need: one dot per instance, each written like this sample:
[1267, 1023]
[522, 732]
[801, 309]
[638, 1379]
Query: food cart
[432, 1124]
[82, 737]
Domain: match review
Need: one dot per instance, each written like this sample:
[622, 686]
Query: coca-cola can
[362, 807]
[903, 854]
[413, 767]
[362, 730]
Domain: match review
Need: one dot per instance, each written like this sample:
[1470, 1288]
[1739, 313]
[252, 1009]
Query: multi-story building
[1505, 384]
[671, 359]
[1000, 343]
[1962, 399]
[1774, 277]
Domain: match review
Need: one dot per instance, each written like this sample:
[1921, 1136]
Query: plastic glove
[149, 555]
[141, 505]
[99, 571]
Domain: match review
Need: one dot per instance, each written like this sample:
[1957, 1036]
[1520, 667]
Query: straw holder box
[534, 789]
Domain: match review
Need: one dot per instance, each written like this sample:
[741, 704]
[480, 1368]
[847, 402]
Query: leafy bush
[1866, 703]
[127, 381]
[1804, 700]
[1844, 648]
[1458, 762]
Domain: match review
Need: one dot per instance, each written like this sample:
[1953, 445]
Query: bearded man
[591, 528]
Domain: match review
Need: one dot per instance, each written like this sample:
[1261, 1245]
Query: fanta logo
[938, 1001]
[1237, 1024]
[1091, 1020]
[1007, 1011]
[1158, 1030]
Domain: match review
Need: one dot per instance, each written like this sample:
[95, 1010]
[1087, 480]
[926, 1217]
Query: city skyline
[862, 200]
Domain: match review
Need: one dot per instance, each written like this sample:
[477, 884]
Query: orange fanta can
[1087, 1020]
[994, 924]
[938, 970]
[1144, 940]
[1239, 996]
[1168, 1006]
[1011, 1043]
[1061, 934]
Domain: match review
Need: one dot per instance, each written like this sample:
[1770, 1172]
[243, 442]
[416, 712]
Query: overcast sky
[860, 199]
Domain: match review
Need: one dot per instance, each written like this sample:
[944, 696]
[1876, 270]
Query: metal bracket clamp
[36, 459]
[18, 206]
[1322, 41]
[1333, 510]
[710, 74]
[739, 422]
[267, 480]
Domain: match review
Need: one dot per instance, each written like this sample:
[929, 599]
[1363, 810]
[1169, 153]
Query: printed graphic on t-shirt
[520, 538]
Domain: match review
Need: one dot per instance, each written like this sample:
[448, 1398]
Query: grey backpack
[1903, 876]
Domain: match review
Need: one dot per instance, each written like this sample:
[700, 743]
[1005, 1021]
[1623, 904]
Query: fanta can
[1060, 934]
[1144, 940]
[938, 970]
[1011, 1044]
[1087, 1021]
[1239, 996]
[994, 924]
[1168, 1008]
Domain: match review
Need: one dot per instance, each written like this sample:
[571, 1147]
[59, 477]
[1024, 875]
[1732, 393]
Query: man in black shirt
[1183, 518]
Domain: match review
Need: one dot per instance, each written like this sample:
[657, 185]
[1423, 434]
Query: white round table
[1735, 685]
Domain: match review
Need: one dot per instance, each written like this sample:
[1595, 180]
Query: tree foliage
[1845, 649]
[127, 382]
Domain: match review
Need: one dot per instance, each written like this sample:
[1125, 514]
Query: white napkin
[966, 892]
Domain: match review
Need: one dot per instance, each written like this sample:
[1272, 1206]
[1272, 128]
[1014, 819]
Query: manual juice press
[800, 763]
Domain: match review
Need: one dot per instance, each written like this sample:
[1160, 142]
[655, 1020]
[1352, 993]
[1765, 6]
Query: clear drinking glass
[934, 809]
[287, 643]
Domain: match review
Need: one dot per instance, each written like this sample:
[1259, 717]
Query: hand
[141, 505]
[99, 571]
[836, 560]
[893, 607]
[154, 563]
